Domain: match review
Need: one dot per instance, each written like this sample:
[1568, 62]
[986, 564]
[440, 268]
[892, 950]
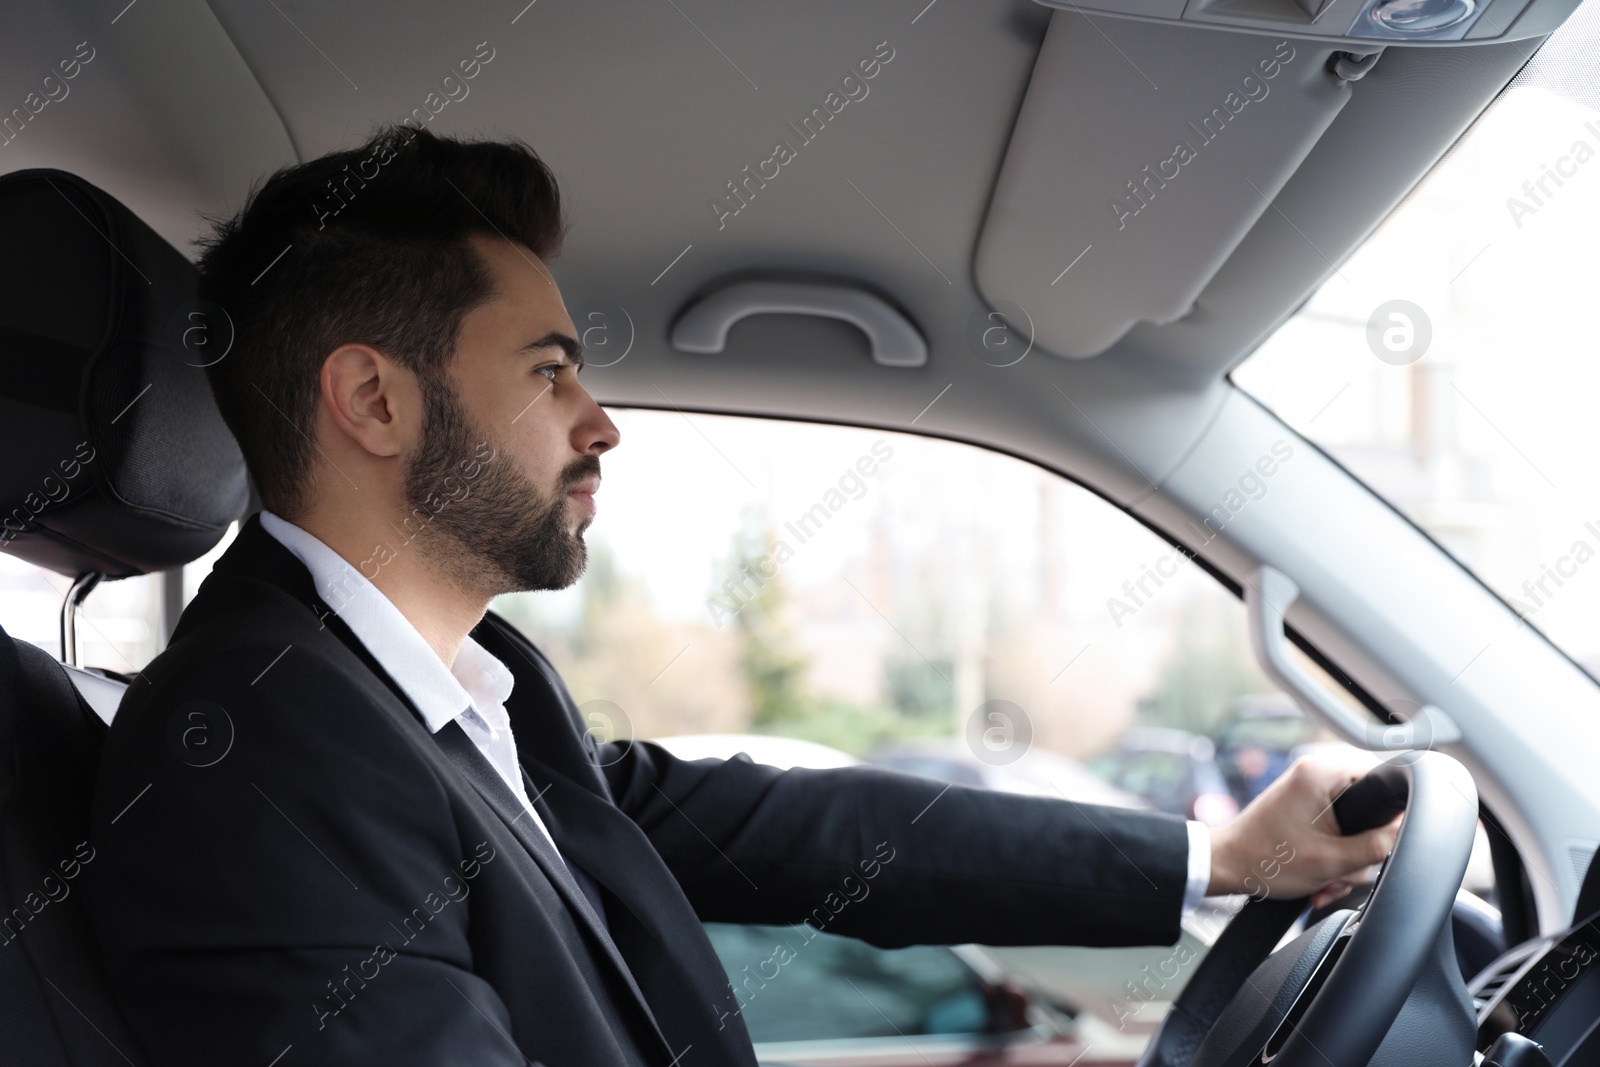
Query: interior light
[1419, 17]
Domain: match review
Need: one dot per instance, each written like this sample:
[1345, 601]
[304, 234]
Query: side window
[922, 604]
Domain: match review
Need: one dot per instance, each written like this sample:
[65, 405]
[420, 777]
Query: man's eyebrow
[556, 339]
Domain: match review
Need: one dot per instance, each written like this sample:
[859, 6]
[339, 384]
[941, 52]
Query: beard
[494, 532]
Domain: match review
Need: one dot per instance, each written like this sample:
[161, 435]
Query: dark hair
[365, 246]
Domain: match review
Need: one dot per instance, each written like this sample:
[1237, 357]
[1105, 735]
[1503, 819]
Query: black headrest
[115, 457]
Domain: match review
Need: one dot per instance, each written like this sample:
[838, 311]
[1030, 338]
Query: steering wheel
[1331, 995]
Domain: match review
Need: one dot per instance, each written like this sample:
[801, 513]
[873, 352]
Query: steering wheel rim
[1394, 933]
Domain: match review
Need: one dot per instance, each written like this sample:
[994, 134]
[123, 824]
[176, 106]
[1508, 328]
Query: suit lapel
[487, 781]
[654, 926]
[597, 837]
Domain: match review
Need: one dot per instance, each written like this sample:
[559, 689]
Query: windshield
[1452, 362]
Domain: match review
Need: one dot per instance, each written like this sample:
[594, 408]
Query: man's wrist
[1224, 877]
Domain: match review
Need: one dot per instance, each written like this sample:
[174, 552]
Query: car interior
[1049, 230]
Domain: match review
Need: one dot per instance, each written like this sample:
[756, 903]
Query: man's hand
[1286, 843]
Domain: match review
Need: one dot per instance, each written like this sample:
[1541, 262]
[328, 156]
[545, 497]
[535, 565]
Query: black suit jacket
[289, 863]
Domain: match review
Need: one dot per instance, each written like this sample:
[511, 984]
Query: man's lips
[584, 492]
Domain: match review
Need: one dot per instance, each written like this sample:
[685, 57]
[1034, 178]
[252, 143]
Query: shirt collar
[441, 694]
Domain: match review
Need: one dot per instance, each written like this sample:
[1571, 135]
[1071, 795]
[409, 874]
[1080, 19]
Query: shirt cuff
[1199, 865]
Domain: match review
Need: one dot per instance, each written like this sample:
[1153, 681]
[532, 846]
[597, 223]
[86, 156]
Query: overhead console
[1353, 21]
[1143, 154]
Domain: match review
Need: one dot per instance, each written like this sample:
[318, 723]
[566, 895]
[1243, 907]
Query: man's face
[512, 390]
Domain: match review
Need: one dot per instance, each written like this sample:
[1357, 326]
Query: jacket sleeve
[273, 872]
[895, 859]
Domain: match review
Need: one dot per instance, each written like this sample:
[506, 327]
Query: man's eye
[556, 367]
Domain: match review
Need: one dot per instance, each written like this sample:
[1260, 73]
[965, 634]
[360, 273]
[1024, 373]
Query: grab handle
[1268, 594]
[895, 341]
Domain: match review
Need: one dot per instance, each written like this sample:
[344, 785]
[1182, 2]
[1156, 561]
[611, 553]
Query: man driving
[409, 850]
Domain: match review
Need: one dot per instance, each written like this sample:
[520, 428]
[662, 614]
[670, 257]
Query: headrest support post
[69, 615]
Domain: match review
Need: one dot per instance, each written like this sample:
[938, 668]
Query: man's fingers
[1378, 842]
[1329, 894]
[1338, 787]
[1362, 850]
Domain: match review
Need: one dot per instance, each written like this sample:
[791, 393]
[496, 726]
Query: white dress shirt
[1199, 865]
[472, 692]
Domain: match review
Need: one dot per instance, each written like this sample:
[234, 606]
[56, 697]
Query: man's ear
[373, 401]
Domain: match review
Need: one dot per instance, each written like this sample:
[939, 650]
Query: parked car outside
[1174, 770]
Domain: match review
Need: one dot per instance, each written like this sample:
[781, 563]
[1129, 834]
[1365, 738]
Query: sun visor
[1137, 166]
